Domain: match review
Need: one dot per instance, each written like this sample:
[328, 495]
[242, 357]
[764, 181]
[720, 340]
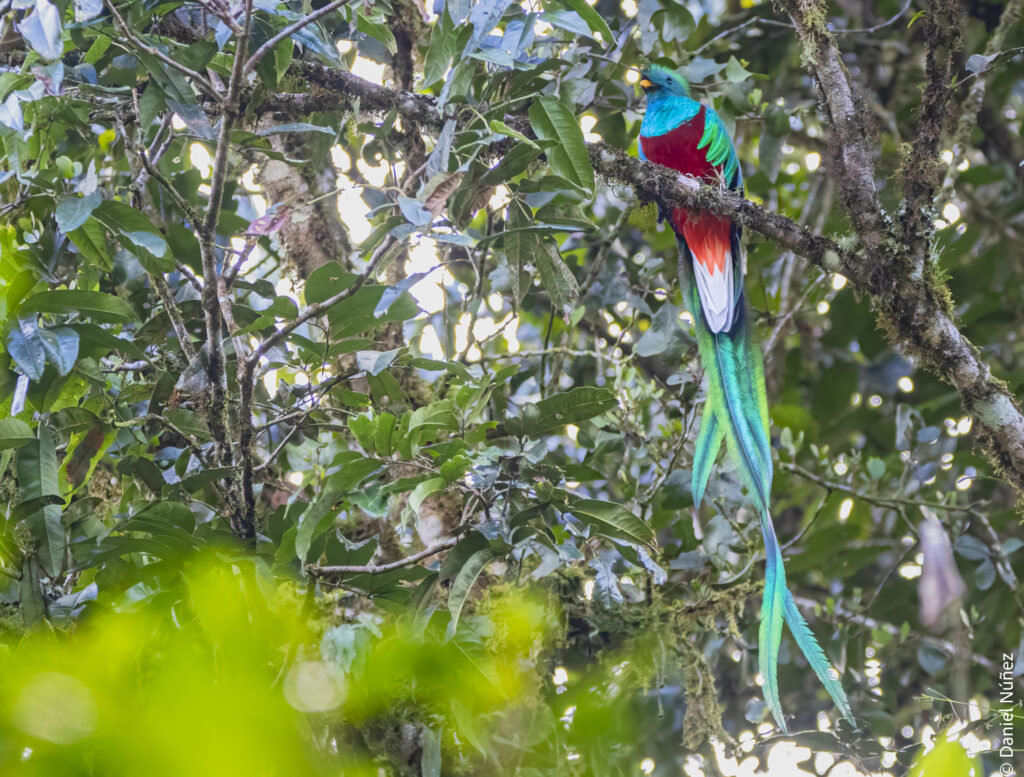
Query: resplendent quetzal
[681, 133]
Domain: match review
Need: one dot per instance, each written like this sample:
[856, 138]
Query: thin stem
[164, 292]
[882, 501]
[199, 78]
[379, 569]
[288, 31]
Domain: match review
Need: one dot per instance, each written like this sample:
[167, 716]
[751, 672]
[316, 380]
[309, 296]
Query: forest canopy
[349, 395]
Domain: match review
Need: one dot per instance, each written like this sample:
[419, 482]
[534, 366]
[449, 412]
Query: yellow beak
[645, 84]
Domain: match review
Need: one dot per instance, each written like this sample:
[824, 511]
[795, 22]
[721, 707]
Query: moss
[11, 624]
[644, 218]
[651, 632]
[936, 279]
[703, 718]
[814, 34]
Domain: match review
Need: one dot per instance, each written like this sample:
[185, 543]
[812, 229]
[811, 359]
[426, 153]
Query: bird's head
[659, 81]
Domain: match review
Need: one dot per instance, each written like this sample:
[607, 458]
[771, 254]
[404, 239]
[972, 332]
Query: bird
[687, 136]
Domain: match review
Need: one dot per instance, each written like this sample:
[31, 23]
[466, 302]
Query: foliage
[230, 465]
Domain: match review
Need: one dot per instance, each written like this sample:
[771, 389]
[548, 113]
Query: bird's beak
[645, 84]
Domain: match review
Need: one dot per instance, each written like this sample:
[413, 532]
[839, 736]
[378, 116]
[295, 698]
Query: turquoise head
[659, 83]
[668, 100]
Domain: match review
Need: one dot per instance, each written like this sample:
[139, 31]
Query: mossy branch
[922, 169]
[851, 156]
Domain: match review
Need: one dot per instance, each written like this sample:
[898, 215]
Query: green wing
[720, 151]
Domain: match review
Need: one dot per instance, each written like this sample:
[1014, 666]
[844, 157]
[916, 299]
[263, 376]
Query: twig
[246, 380]
[872, 624]
[882, 501]
[312, 311]
[975, 98]
[780, 326]
[849, 144]
[379, 569]
[184, 338]
[199, 78]
[881, 26]
[240, 508]
[139, 366]
[943, 22]
[288, 31]
[741, 26]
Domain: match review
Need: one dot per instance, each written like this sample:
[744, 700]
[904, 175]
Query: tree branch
[164, 292]
[288, 31]
[976, 96]
[849, 142]
[379, 569]
[922, 168]
[153, 51]
[211, 298]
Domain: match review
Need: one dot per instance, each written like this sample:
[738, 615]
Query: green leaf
[463, 584]
[375, 362]
[423, 491]
[276, 63]
[946, 759]
[521, 248]
[72, 420]
[606, 583]
[31, 602]
[37, 477]
[443, 41]
[91, 241]
[612, 519]
[178, 93]
[735, 71]
[593, 19]
[190, 423]
[25, 345]
[876, 468]
[774, 129]
[430, 761]
[512, 164]
[82, 457]
[356, 313]
[200, 480]
[382, 437]
[14, 433]
[364, 427]
[557, 278]
[104, 308]
[569, 407]
[137, 231]
[61, 346]
[73, 212]
[95, 336]
[553, 121]
[278, 129]
[151, 104]
[317, 517]
[97, 49]
[700, 68]
[378, 32]
[503, 129]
